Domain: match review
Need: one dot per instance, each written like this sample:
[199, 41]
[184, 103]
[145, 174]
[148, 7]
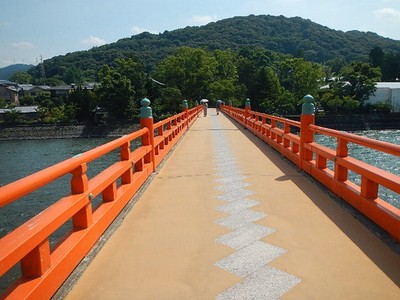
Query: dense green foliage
[295, 36]
[274, 61]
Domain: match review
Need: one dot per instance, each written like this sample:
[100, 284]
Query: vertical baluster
[79, 185]
[341, 173]
[127, 176]
[36, 262]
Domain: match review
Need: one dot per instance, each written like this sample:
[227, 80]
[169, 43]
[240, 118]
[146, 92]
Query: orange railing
[295, 140]
[45, 267]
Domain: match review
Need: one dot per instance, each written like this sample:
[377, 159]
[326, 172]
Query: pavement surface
[226, 217]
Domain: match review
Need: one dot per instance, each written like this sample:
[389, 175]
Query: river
[23, 157]
[20, 158]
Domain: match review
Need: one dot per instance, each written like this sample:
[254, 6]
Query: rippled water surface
[381, 160]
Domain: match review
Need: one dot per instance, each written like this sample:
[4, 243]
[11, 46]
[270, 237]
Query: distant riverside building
[9, 91]
[31, 90]
[26, 112]
[388, 93]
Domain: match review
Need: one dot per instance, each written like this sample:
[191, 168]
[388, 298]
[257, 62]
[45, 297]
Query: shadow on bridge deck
[227, 218]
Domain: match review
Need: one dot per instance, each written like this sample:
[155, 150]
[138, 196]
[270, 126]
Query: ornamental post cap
[308, 106]
[145, 110]
[145, 102]
[308, 98]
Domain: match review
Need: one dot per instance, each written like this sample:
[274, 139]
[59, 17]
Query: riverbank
[38, 132]
[356, 122]
[339, 122]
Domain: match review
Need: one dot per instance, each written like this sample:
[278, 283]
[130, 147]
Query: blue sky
[31, 29]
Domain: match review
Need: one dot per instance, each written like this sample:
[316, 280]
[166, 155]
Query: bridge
[240, 205]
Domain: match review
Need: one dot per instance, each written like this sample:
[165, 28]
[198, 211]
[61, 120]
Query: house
[388, 93]
[26, 112]
[60, 90]
[9, 91]
[31, 90]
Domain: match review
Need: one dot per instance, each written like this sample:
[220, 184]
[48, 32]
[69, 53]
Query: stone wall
[357, 122]
[73, 131]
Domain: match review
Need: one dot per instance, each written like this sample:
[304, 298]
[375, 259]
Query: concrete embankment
[353, 122]
[71, 131]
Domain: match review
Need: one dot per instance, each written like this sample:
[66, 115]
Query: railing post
[146, 120]
[342, 150]
[37, 262]
[306, 135]
[79, 185]
[247, 109]
[185, 108]
[125, 154]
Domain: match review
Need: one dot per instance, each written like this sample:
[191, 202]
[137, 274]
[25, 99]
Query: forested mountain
[295, 36]
[6, 72]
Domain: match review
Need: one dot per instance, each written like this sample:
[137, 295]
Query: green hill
[295, 36]
[6, 72]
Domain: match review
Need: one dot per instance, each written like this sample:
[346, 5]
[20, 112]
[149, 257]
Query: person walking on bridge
[218, 106]
[204, 102]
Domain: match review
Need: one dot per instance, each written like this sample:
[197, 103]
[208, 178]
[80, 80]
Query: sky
[35, 30]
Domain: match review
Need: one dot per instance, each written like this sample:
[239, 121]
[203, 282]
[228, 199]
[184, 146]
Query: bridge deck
[227, 218]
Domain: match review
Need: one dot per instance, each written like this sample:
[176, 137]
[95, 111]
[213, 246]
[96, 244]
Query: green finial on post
[145, 110]
[247, 102]
[185, 104]
[308, 106]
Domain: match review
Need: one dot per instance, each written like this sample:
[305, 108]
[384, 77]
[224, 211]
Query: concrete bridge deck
[227, 218]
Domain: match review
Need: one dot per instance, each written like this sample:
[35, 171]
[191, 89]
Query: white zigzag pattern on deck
[250, 261]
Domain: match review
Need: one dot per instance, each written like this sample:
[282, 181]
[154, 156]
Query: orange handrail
[44, 267]
[295, 140]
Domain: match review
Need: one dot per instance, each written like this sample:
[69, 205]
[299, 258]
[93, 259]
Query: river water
[24, 157]
[381, 160]
[20, 158]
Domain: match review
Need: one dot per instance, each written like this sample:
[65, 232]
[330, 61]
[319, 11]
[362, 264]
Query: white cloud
[385, 13]
[202, 20]
[23, 45]
[93, 41]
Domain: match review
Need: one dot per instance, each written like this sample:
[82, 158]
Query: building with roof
[26, 112]
[388, 93]
[31, 90]
[9, 91]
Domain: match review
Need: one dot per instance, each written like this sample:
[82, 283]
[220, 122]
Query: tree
[226, 85]
[134, 71]
[376, 57]
[189, 70]
[73, 75]
[21, 77]
[391, 67]
[299, 78]
[252, 69]
[116, 94]
[275, 99]
[83, 101]
[361, 78]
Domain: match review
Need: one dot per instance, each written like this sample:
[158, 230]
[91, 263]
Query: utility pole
[42, 72]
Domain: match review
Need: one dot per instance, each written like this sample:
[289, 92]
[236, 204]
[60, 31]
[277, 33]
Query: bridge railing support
[146, 121]
[306, 135]
[44, 267]
[295, 140]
